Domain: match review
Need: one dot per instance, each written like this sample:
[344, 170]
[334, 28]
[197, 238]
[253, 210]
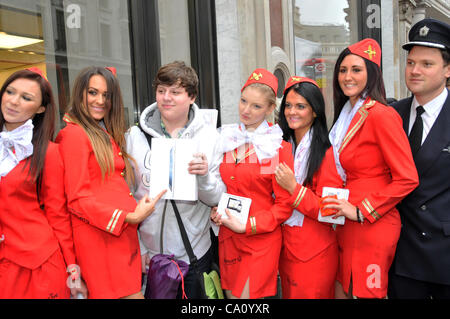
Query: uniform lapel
[437, 139]
[404, 110]
[357, 122]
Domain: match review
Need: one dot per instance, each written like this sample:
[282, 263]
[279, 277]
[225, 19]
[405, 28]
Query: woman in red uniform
[37, 245]
[104, 213]
[248, 254]
[309, 254]
[374, 160]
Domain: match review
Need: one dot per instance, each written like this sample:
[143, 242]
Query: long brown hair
[114, 120]
[44, 123]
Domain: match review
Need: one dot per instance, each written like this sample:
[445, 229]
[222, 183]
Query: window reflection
[67, 36]
[322, 29]
[174, 31]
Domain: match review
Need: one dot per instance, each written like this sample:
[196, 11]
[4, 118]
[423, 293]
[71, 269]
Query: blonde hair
[266, 90]
[114, 121]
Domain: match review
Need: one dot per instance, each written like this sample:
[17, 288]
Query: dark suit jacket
[423, 250]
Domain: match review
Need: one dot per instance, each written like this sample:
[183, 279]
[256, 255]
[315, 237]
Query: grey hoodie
[195, 215]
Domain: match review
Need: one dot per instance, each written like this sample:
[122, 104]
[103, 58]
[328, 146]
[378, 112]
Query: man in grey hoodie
[175, 115]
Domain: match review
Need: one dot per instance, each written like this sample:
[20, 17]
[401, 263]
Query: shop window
[164, 31]
[174, 31]
[281, 82]
[62, 37]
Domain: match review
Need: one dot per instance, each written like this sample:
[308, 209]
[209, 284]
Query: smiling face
[254, 106]
[97, 97]
[21, 100]
[173, 103]
[352, 77]
[299, 113]
[426, 73]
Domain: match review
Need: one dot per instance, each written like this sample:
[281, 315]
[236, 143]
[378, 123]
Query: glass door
[62, 37]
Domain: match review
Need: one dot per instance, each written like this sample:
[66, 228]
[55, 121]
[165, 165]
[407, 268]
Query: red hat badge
[298, 79]
[368, 49]
[37, 71]
[262, 76]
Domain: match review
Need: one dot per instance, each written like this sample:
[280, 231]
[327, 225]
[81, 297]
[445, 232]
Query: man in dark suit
[421, 268]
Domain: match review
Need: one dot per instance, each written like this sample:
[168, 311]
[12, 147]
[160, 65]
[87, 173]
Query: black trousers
[192, 286]
[401, 287]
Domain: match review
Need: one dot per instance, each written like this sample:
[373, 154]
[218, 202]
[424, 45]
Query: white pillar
[229, 59]
[390, 45]
[419, 12]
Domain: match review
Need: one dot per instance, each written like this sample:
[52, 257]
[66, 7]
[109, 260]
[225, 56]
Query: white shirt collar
[433, 107]
[432, 110]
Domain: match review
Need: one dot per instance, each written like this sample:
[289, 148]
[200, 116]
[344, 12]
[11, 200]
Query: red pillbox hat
[368, 49]
[298, 79]
[38, 71]
[112, 70]
[262, 76]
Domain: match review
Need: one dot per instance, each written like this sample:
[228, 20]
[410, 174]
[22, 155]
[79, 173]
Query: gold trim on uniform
[300, 196]
[253, 224]
[113, 221]
[67, 119]
[363, 112]
[370, 209]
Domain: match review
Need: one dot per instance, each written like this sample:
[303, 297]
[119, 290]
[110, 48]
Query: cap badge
[423, 32]
[370, 52]
[256, 77]
[296, 79]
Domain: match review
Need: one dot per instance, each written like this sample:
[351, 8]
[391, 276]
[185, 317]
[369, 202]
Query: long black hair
[319, 140]
[374, 86]
[44, 123]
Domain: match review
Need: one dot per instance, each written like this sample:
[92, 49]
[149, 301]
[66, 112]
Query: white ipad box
[169, 169]
[341, 193]
[238, 206]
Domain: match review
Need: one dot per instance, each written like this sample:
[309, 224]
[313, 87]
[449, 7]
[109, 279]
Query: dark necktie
[415, 137]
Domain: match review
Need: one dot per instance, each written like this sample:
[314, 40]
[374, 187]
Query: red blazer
[248, 180]
[315, 236]
[102, 204]
[105, 245]
[377, 159]
[32, 235]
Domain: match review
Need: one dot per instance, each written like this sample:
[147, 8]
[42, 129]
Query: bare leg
[245, 292]
[339, 292]
[137, 295]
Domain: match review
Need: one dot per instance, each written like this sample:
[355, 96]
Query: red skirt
[48, 281]
[366, 253]
[254, 258]
[308, 279]
[110, 265]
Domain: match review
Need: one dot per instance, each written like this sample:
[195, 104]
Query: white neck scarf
[301, 169]
[266, 140]
[19, 140]
[339, 130]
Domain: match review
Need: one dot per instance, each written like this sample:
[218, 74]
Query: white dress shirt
[432, 110]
